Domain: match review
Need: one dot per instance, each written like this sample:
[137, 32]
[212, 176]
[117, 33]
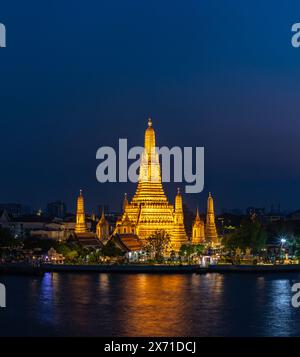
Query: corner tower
[80, 215]
[198, 235]
[179, 236]
[211, 234]
[102, 228]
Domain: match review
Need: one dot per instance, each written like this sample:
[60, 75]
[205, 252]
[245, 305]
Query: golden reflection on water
[159, 305]
[139, 304]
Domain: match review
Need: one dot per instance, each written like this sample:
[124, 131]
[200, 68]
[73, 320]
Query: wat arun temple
[150, 211]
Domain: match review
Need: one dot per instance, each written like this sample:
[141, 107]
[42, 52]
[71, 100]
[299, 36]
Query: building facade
[56, 209]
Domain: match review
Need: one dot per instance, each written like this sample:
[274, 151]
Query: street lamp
[282, 240]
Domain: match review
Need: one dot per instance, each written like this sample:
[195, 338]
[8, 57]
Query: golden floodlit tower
[198, 235]
[149, 210]
[178, 236]
[102, 228]
[80, 215]
[211, 234]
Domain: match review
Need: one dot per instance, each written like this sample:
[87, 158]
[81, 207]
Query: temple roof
[88, 240]
[128, 242]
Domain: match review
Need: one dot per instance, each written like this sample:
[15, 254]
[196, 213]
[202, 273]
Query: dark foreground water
[155, 305]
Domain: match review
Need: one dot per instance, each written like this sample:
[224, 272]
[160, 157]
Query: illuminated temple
[149, 210]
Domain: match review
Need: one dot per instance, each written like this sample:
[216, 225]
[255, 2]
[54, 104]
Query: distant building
[294, 216]
[54, 257]
[230, 221]
[56, 209]
[15, 209]
[273, 217]
[234, 211]
[130, 244]
[257, 211]
[55, 231]
[101, 208]
[5, 220]
[39, 226]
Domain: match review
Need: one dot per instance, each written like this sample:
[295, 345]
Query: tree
[7, 240]
[189, 250]
[71, 255]
[249, 235]
[157, 245]
[111, 250]
[95, 257]
[43, 244]
[293, 243]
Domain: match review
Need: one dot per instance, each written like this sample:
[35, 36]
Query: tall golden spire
[210, 217]
[178, 202]
[149, 185]
[125, 202]
[210, 226]
[197, 215]
[149, 138]
[80, 215]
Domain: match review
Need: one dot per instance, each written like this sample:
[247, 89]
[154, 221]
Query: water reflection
[278, 309]
[155, 305]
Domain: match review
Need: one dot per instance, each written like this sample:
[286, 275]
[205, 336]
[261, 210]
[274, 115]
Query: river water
[74, 304]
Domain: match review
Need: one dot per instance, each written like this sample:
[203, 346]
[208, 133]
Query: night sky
[220, 74]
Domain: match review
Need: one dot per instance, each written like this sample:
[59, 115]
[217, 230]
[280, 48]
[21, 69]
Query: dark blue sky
[219, 74]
